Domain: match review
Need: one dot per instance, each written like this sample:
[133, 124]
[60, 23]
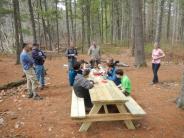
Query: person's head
[26, 47]
[110, 65]
[119, 73]
[156, 45]
[71, 45]
[76, 66]
[35, 45]
[86, 73]
[94, 44]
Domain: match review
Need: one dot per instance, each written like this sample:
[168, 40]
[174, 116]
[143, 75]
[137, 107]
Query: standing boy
[39, 59]
[27, 64]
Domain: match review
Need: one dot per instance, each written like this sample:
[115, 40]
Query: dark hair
[35, 44]
[119, 72]
[24, 45]
[86, 72]
[76, 66]
[110, 64]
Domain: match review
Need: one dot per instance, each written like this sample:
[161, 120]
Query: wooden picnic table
[104, 93]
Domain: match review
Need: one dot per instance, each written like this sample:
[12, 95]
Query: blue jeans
[40, 73]
[155, 68]
[71, 63]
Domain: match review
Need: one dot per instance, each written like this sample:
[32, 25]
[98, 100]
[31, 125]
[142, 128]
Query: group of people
[32, 60]
[78, 72]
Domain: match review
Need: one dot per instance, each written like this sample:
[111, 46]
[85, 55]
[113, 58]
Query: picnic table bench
[103, 94]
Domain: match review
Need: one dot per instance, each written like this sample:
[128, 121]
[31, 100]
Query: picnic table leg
[95, 109]
[128, 123]
[105, 108]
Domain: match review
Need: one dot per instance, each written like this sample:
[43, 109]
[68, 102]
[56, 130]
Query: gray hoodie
[81, 85]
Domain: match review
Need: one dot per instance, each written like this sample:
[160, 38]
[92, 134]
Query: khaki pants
[31, 81]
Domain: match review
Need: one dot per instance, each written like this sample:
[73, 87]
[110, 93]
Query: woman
[157, 55]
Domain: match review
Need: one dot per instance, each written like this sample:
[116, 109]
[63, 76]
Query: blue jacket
[26, 60]
[72, 74]
[111, 75]
[38, 56]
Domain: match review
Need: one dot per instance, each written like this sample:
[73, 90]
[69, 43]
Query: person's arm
[66, 53]
[89, 51]
[86, 83]
[36, 56]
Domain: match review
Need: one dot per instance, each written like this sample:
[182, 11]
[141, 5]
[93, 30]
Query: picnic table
[105, 93]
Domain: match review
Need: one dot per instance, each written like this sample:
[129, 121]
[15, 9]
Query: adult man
[94, 53]
[39, 59]
[27, 64]
[71, 53]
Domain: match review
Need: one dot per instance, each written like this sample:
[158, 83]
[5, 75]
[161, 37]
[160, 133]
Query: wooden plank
[77, 107]
[105, 108]
[108, 117]
[84, 127]
[128, 123]
[134, 107]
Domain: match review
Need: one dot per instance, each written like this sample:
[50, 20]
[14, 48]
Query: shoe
[37, 97]
[30, 95]
[152, 83]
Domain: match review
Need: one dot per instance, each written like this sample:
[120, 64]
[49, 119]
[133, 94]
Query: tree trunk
[18, 30]
[57, 25]
[180, 99]
[168, 20]
[159, 21]
[106, 27]
[139, 38]
[83, 26]
[71, 19]
[48, 26]
[67, 22]
[112, 21]
[32, 21]
[43, 23]
[75, 13]
[88, 5]
[102, 21]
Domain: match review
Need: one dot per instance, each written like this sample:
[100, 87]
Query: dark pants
[84, 93]
[155, 68]
[94, 62]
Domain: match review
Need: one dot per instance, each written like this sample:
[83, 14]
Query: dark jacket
[71, 53]
[81, 86]
[38, 56]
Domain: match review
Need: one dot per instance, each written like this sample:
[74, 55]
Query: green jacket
[126, 84]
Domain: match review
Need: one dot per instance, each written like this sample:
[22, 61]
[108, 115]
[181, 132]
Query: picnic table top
[105, 91]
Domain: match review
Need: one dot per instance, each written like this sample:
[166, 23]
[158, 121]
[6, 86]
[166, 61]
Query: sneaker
[37, 97]
[30, 96]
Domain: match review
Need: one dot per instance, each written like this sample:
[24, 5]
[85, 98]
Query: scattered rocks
[1, 121]
[19, 124]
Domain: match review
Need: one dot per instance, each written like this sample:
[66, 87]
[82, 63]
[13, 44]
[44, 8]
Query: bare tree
[138, 28]
[32, 21]
[180, 99]
[67, 21]
[159, 20]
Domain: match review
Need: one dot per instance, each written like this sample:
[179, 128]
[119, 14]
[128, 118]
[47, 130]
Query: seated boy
[73, 72]
[111, 73]
[125, 82]
[81, 87]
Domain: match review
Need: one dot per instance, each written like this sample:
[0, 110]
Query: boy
[27, 64]
[125, 82]
[81, 88]
[73, 72]
[71, 53]
[39, 59]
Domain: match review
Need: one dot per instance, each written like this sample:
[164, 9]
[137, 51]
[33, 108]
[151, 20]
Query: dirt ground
[50, 118]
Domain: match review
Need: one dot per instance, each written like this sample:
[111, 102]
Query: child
[73, 72]
[111, 73]
[81, 87]
[125, 82]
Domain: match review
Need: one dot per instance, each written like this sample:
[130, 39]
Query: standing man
[39, 59]
[72, 54]
[94, 53]
[27, 64]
